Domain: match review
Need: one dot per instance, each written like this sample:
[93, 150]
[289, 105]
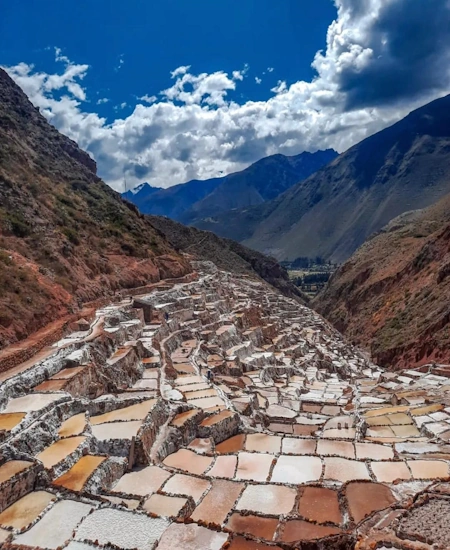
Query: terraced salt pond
[297, 441]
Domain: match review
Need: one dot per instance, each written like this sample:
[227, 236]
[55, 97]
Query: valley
[213, 412]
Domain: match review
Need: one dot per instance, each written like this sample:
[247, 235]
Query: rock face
[215, 413]
[195, 202]
[331, 214]
[392, 296]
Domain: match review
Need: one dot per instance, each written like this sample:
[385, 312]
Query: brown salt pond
[75, 478]
[142, 482]
[253, 466]
[263, 443]
[10, 420]
[241, 543]
[342, 469]
[165, 506]
[320, 505]
[267, 499]
[263, 528]
[67, 374]
[214, 419]
[339, 448]
[365, 498]
[51, 385]
[134, 412]
[428, 469]
[207, 403]
[388, 472]
[225, 466]
[297, 469]
[299, 530]
[181, 484]
[218, 503]
[31, 403]
[191, 537]
[116, 430]
[201, 445]
[59, 450]
[25, 510]
[13, 467]
[187, 460]
[231, 445]
[74, 425]
[183, 417]
[294, 446]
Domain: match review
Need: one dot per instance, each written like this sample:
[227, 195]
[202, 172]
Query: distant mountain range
[196, 200]
[330, 214]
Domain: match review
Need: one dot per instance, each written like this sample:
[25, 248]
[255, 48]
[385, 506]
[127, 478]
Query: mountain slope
[65, 236]
[264, 180]
[330, 214]
[226, 254]
[393, 295]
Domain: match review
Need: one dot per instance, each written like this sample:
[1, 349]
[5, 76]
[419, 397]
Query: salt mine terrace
[215, 413]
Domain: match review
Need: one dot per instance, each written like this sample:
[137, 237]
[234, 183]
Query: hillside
[393, 295]
[195, 201]
[65, 236]
[226, 254]
[330, 214]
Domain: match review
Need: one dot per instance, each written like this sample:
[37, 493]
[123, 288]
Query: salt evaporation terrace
[117, 439]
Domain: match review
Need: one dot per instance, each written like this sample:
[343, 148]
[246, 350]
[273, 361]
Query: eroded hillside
[393, 295]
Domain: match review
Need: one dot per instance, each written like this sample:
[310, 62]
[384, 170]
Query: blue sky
[133, 47]
[171, 90]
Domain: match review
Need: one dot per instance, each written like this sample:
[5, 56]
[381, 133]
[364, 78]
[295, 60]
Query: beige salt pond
[76, 478]
[116, 430]
[134, 412]
[297, 469]
[253, 466]
[263, 443]
[12, 468]
[343, 470]
[388, 472]
[25, 510]
[295, 446]
[187, 460]
[74, 425]
[428, 469]
[267, 499]
[224, 466]
[181, 484]
[162, 505]
[191, 537]
[59, 450]
[31, 403]
[142, 482]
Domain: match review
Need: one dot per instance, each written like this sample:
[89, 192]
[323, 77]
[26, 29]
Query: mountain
[143, 190]
[264, 180]
[228, 255]
[393, 295]
[66, 238]
[330, 214]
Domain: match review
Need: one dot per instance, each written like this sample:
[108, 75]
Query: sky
[166, 91]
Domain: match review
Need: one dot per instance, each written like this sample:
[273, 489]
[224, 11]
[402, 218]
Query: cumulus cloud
[382, 59]
[258, 80]
[102, 100]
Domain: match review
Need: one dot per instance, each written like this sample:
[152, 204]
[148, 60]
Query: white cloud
[102, 100]
[120, 63]
[148, 98]
[197, 129]
[258, 80]
[270, 69]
